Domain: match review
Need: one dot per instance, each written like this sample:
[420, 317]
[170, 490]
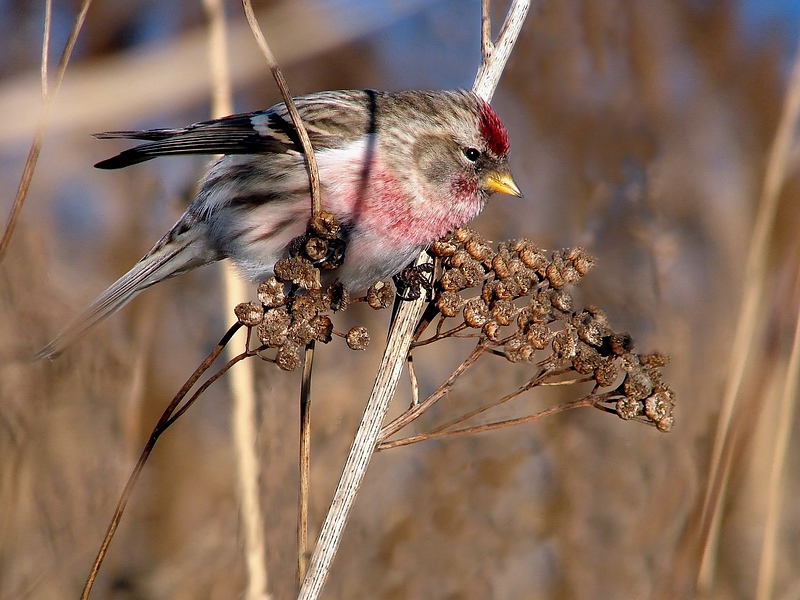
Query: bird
[399, 170]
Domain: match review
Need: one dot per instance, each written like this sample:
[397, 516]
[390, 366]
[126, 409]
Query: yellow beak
[502, 183]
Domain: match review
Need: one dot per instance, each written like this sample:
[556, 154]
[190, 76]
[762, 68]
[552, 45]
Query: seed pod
[288, 356]
[358, 338]
[249, 314]
[380, 295]
[476, 313]
[272, 293]
[449, 303]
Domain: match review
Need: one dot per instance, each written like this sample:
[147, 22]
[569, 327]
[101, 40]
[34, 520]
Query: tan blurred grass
[639, 130]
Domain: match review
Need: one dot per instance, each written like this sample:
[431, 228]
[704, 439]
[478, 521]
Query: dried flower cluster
[293, 307]
[514, 298]
[523, 296]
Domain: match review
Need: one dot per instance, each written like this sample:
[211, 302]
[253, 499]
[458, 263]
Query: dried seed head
[530, 254]
[555, 276]
[561, 300]
[272, 293]
[586, 359]
[380, 295]
[300, 332]
[316, 248]
[637, 384]
[516, 350]
[540, 308]
[473, 272]
[273, 328]
[249, 314]
[628, 408]
[500, 267]
[491, 329]
[459, 258]
[358, 338]
[325, 225]
[538, 335]
[453, 280]
[504, 311]
[322, 328]
[297, 271]
[606, 373]
[620, 343]
[307, 306]
[592, 327]
[478, 248]
[565, 343]
[654, 360]
[581, 260]
[658, 408]
[449, 303]
[462, 234]
[443, 248]
[288, 356]
[493, 290]
[476, 313]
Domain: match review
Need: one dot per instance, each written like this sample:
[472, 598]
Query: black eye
[472, 154]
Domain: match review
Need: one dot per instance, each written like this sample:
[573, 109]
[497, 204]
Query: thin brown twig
[486, 31]
[163, 423]
[585, 401]
[537, 381]
[48, 94]
[440, 335]
[305, 462]
[48, 21]
[305, 141]
[415, 411]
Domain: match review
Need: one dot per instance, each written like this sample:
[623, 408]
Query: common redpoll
[398, 170]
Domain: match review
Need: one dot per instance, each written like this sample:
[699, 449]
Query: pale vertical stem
[48, 18]
[394, 358]
[305, 462]
[748, 325]
[241, 380]
[777, 477]
[363, 446]
[48, 95]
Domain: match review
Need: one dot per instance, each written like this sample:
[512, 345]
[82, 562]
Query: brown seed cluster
[515, 297]
[523, 307]
[293, 307]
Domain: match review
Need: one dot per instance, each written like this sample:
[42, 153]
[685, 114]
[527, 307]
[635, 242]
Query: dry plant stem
[416, 410]
[534, 382]
[48, 21]
[581, 402]
[486, 31]
[244, 423]
[48, 96]
[748, 327]
[311, 161]
[412, 376]
[394, 357]
[167, 418]
[777, 478]
[488, 72]
[305, 462]
[242, 381]
[361, 451]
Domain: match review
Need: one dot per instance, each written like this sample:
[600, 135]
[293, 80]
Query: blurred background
[639, 130]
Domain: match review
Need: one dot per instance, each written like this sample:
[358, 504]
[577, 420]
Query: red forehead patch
[493, 130]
